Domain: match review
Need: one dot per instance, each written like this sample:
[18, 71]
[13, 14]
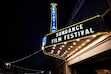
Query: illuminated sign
[82, 29]
[73, 32]
[53, 17]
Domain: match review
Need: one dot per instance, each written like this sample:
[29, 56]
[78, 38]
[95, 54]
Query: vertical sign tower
[53, 27]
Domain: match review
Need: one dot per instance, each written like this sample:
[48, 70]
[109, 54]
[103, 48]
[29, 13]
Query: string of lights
[25, 57]
[9, 64]
[32, 70]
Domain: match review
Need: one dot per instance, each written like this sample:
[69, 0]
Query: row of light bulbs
[70, 47]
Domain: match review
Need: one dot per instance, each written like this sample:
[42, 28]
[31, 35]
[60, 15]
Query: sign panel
[82, 29]
[53, 17]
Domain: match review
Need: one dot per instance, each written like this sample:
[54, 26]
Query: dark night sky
[25, 23]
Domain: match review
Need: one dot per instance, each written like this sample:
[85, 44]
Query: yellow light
[66, 51]
[42, 48]
[68, 55]
[73, 51]
[65, 42]
[62, 55]
[94, 36]
[79, 47]
[52, 51]
[63, 46]
[83, 44]
[76, 49]
[71, 46]
[74, 43]
[88, 40]
[53, 47]
[60, 48]
[58, 52]
[78, 40]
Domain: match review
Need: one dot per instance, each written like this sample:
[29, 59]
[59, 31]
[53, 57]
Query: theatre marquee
[79, 30]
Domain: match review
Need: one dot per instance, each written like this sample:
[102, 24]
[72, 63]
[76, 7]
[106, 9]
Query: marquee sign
[82, 29]
[53, 17]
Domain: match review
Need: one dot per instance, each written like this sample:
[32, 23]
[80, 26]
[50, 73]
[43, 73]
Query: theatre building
[84, 47]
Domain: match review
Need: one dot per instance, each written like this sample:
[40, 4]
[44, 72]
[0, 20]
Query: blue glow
[54, 20]
[53, 15]
[53, 24]
[53, 11]
[53, 29]
[44, 41]
[53, 8]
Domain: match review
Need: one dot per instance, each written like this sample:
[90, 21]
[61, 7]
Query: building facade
[94, 58]
[85, 45]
